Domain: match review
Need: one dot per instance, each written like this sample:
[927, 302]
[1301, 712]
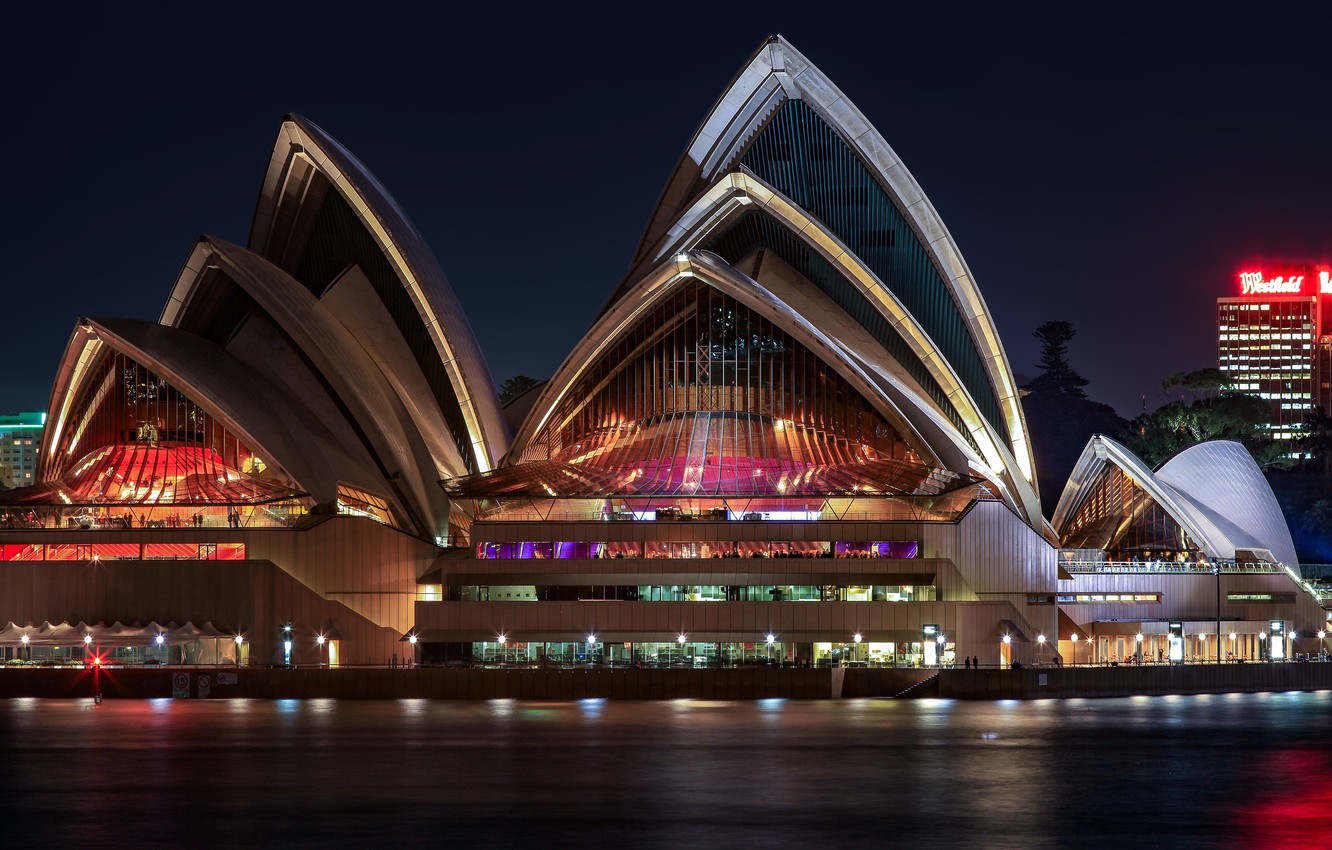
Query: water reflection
[1237, 771]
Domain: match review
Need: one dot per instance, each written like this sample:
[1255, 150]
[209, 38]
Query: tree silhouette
[1057, 376]
[515, 386]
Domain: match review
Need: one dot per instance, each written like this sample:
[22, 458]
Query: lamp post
[240, 640]
[27, 653]
[680, 641]
[1040, 649]
[591, 647]
[769, 640]
[1216, 571]
[1262, 645]
[503, 641]
[939, 655]
[1074, 638]
[411, 639]
[1322, 650]
[1232, 645]
[319, 639]
[856, 638]
[1007, 645]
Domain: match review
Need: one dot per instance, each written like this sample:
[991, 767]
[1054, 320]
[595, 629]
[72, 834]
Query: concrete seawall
[1150, 680]
[730, 683]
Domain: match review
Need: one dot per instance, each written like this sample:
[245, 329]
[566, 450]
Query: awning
[116, 634]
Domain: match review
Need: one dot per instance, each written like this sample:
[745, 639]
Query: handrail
[1227, 567]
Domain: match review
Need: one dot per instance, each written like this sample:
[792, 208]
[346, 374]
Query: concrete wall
[253, 598]
[975, 627]
[368, 567]
[729, 683]
[1193, 596]
[733, 683]
[1132, 680]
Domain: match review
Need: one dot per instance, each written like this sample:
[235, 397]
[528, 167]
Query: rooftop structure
[1274, 341]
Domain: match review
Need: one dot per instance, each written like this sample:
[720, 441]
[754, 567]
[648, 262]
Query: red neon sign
[1253, 283]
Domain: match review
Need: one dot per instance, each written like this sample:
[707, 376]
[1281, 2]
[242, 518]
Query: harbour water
[1238, 771]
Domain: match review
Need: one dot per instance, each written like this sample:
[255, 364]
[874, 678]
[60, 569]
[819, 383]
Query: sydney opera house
[791, 435]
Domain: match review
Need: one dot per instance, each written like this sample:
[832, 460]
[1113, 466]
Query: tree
[1060, 417]
[1316, 439]
[1204, 383]
[1157, 436]
[1057, 376]
[515, 386]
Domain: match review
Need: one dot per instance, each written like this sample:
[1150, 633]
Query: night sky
[1115, 173]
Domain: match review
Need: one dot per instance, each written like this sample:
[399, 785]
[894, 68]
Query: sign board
[1255, 283]
[180, 686]
[226, 678]
[205, 685]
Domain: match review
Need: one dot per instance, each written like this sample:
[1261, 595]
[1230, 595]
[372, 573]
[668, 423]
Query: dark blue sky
[1114, 172]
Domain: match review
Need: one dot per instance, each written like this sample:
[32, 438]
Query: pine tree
[1057, 377]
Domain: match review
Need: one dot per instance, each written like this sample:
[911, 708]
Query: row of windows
[1263, 337]
[1101, 598]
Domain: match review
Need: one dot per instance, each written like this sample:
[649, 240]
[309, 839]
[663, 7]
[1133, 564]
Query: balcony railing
[1112, 567]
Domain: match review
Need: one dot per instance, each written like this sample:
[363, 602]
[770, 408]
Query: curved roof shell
[784, 121]
[339, 354]
[1214, 490]
[321, 210]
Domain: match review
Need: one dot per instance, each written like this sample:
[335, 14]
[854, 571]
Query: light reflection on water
[1182, 772]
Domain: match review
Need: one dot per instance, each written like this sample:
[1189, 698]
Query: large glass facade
[696, 593]
[1120, 518]
[130, 437]
[715, 549]
[798, 154]
[704, 395]
[689, 654]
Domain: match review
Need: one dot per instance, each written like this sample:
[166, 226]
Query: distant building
[1274, 341]
[20, 438]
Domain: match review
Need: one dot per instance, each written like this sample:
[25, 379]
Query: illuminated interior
[360, 503]
[135, 450]
[1121, 519]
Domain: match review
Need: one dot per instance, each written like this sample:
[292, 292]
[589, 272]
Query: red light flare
[1293, 805]
[97, 663]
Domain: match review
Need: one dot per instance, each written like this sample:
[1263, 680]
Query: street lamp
[24, 641]
[1007, 641]
[1074, 638]
[1040, 641]
[504, 651]
[1322, 652]
[319, 639]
